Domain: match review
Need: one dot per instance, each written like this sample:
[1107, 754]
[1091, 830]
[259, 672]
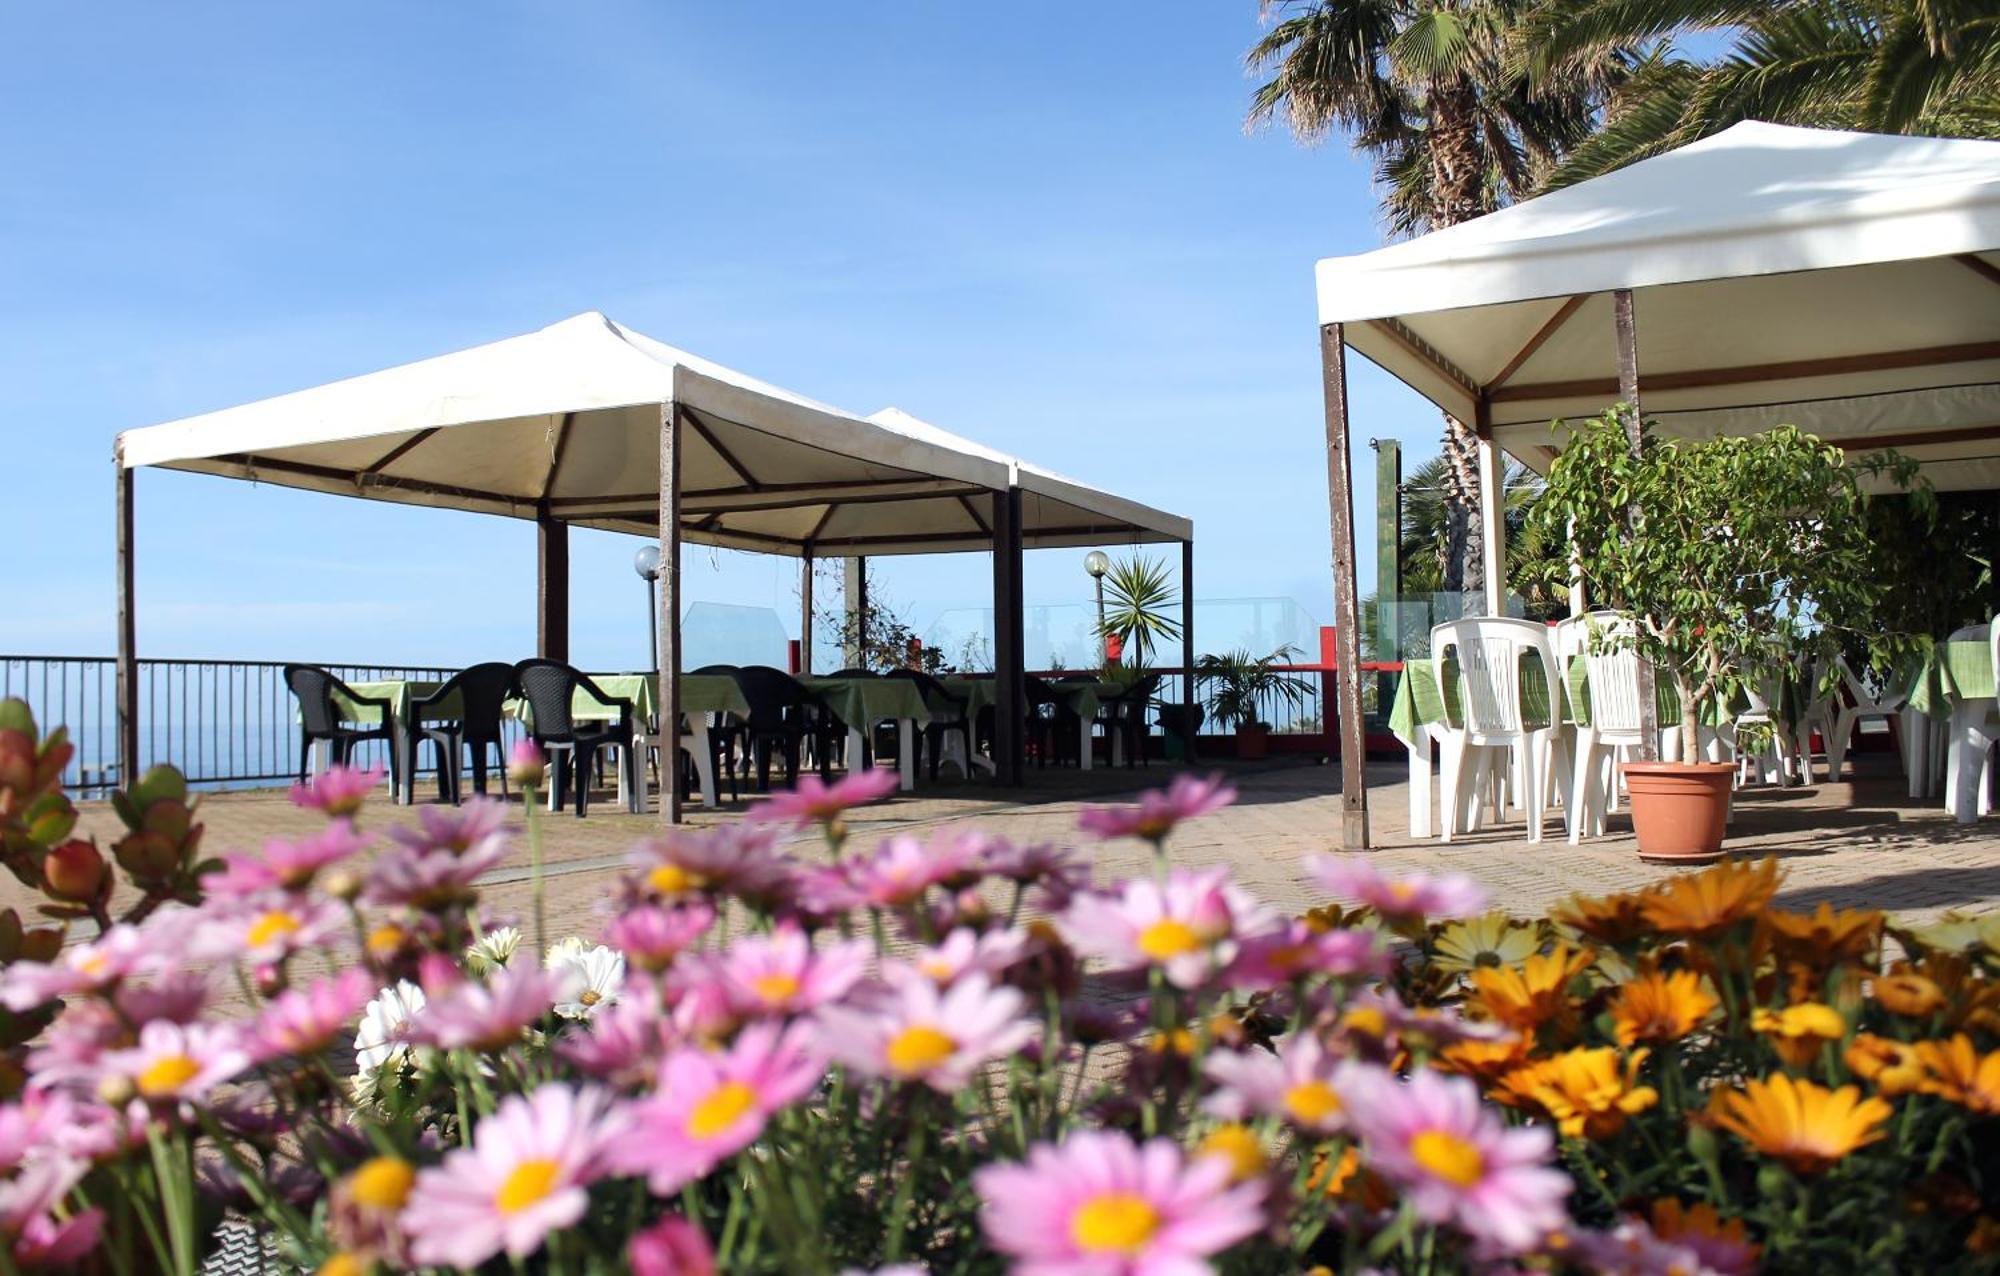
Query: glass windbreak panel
[727, 634]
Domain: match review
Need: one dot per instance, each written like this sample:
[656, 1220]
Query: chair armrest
[623, 704]
[384, 703]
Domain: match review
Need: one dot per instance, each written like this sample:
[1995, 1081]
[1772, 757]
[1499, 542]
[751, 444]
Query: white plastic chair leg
[1529, 759]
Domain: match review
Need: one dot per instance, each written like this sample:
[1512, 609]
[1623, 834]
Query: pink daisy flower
[180, 996]
[285, 865]
[121, 951]
[1158, 811]
[305, 1021]
[710, 1106]
[268, 929]
[487, 1016]
[1418, 895]
[739, 859]
[527, 1173]
[625, 1043]
[780, 973]
[46, 1241]
[1299, 1083]
[813, 801]
[433, 879]
[651, 936]
[671, 1247]
[966, 951]
[918, 1032]
[174, 1063]
[338, 790]
[1455, 1160]
[1297, 951]
[1634, 1249]
[899, 871]
[472, 828]
[1030, 864]
[30, 1125]
[26, 1202]
[1099, 1204]
[1189, 926]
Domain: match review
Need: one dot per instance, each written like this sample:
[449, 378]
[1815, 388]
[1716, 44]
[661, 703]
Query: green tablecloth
[1421, 698]
[1949, 673]
[1084, 696]
[700, 693]
[861, 701]
[401, 693]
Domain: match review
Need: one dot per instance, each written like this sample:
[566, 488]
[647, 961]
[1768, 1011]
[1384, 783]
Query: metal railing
[222, 722]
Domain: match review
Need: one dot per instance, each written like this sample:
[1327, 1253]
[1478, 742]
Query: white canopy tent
[587, 422]
[1845, 283]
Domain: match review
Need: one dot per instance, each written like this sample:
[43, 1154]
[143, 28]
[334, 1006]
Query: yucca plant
[1139, 601]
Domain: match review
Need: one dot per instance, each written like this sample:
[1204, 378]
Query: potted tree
[1741, 559]
[1240, 685]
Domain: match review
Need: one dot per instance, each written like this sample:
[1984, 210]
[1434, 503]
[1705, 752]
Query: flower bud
[74, 871]
[342, 884]
[526, 766]
[115, 1090]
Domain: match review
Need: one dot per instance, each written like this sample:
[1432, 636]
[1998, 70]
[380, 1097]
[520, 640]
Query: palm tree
[1424, 541]
[1927, 67]
[1426, 88]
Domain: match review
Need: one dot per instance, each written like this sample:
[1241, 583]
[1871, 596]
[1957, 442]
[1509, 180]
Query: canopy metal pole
[1346, 604]
[1187, 646]
[1009, 669]
[854, 581]
[1628, 391]
[1493, 525]
[551, 586]
[670, 614]
[128, 636]
[806, 610]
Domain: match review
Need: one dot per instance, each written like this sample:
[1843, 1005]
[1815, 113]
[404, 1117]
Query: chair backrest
[1038, 692]
[854, 671]
[773, 695]
[549, 687]
[1992, 635]
[483, 690]
[1490, 651]
[315, 688]
[1143, 689]
[1610, 668]
[718, 671]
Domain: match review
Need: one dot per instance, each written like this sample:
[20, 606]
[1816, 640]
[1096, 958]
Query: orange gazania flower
[1673, 1221]
[1345, 1178]
[1526, 996]
[1609, 919]
[1711, 901]
[1892, 1067]
[1484, 1061]
[1807, 1126]
[1798, 1032]
[1825, 936]
[1654, 1006]
[1583, 1090]
[1955, 1071]
[1905, 992]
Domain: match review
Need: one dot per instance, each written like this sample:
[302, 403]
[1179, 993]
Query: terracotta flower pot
[1680, 810]
[1253, 743]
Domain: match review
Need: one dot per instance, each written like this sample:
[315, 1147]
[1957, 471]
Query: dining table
[863, 702]
[1083, 696]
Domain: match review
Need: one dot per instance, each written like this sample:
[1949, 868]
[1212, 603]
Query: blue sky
[1040, 225]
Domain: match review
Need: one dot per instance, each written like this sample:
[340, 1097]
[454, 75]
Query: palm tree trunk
[1459, 187]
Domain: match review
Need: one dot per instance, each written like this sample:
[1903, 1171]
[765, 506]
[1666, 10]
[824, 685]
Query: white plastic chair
[1975, 725]
[1490, 734]
[1857, 705]
[1611, 671]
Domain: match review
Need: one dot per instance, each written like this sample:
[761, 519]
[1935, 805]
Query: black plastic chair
[482, 692]
[550, 687]
[320, 719]
[783, 714]
[948, 717]
[724, 730]
[1124, 713]
[1052, 726]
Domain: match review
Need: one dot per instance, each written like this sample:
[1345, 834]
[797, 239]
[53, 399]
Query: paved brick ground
[1858, 844]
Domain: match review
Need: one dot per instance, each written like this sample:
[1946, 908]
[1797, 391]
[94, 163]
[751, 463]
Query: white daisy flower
[493, 950]
[379, 1039]
[592, 973]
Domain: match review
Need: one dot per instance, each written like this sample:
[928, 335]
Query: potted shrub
[1240, 685]
[1742, 560]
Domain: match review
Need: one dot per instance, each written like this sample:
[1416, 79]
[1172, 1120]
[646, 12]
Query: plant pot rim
[1677, 768]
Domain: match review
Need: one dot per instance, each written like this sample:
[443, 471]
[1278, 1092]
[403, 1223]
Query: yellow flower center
[270, 927]
[1451, 1158]
[342, 1264]
[1312, 1103]
[672, 879]
[937, 969]
[1115, 1223]
[724, 1107]
[589, 997]
[1240, 1147]
[95, 965]
[775, 988]
[1166, 939]
[382, 1183]
[529, 1182]
[919, 1049]
[384, 940]
[167, 1074]
[1366, 1020]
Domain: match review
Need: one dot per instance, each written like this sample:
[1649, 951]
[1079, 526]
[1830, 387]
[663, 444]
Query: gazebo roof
[1847, 283]
[565, 422]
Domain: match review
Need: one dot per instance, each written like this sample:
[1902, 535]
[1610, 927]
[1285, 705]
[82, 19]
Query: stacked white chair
[1858, 703]
[1975, 725]
[1490, 737]
[1611, 673]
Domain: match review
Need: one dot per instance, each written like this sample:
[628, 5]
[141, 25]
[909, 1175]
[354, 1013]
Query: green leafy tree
[1426, 89]
[1928, 67]
[1749, 557]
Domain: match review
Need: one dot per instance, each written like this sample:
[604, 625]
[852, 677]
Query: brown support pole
[128, 638]
[1187, 643]
[670, 614]
[1628, 391]
[1010, 690]
[1346, 604]
[854, 580]
[551, 586]
[806, 611]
